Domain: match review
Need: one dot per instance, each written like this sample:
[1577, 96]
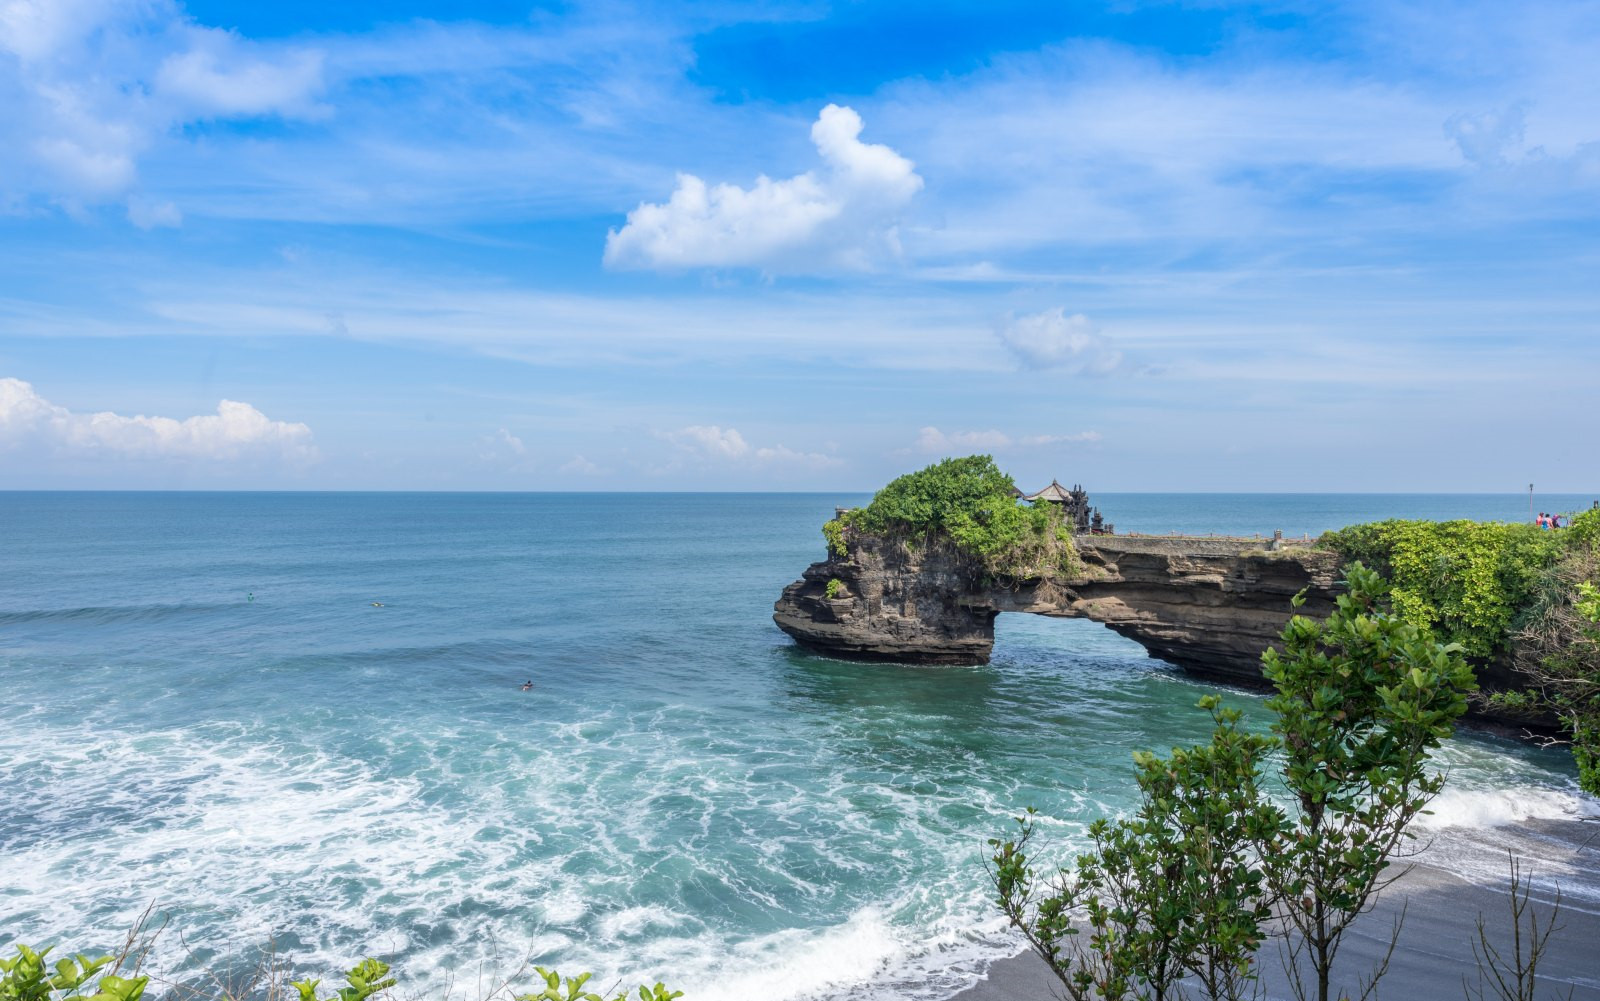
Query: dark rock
[1209, 606]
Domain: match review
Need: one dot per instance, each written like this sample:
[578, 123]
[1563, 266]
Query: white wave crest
[1478, 808]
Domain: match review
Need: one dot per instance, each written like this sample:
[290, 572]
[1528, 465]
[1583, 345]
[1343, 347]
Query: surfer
[527, 686]
[377, 604]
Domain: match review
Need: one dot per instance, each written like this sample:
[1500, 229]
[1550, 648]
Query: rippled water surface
[205, 710]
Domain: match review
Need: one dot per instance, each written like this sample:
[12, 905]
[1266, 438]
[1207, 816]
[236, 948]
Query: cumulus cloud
[713, 443]
[1052, 339]
[934, 441]
[236, 430]
[840, 216]
[89, 86]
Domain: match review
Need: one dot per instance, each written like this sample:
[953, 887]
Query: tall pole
[1530, 503]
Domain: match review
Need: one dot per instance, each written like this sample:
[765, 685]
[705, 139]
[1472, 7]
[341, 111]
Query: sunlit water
[683, 796]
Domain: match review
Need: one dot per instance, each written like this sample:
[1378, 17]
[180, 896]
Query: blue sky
[416, 245]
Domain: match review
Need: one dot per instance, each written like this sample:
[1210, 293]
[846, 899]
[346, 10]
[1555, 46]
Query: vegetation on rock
[1559, 651]
[833, 531]
[971, 502]
[1467, 581]
[1498, 589]
[1191, 885]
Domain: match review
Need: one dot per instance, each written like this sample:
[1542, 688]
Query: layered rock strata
[1208, 606]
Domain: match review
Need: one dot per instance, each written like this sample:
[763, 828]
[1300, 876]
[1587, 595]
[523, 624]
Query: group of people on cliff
[1549, 521]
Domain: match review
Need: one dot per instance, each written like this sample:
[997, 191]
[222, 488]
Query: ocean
[293, 723]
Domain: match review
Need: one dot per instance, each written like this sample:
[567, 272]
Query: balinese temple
[1076, 502]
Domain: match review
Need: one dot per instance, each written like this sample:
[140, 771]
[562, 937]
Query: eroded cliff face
[898, 599]
[1208, 606]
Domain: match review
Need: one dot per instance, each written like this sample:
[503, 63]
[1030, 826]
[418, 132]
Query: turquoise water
[683, 796]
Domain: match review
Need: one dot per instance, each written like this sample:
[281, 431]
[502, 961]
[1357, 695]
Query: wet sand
[1441, 911]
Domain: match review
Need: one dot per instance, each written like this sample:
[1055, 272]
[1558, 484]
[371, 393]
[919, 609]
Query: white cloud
[511, 441]
[713, 443]
[36, 29]
[842, 216]
[578, 465]
[1052, 339]
[710, 441]
[503, 447]
[219, 73]
[931, 439]
[934, 441]
[236, 430]
[90, 86]
[782, 455]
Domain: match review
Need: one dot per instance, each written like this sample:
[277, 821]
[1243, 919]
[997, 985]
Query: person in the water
[527, 686]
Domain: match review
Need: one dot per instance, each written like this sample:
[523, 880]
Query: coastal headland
[1211, 606]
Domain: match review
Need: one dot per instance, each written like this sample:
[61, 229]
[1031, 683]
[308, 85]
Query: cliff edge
[1209, 606]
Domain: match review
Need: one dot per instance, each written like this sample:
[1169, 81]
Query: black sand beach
[1441, 911]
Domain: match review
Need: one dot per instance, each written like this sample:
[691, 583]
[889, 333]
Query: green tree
[1183, 889]
[1362, 698]
[1167, 894]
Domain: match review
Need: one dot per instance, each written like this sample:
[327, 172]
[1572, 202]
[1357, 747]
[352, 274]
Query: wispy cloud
[716, 444]
[91, 85]
[579, 465]
[1396, 215]
[935, 442]
[503, 449]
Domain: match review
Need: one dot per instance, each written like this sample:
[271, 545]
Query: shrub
[970, 501]
[835, 585]
[1584, 532]
[833, 531]
[1486, 584]
[1468, 582]
[1172, 892]
[1363, 698]
[1186, 887]
[26, 977]
[1559, 652]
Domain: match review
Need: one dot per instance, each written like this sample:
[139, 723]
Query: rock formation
[1204, 605]
[1209, 606]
